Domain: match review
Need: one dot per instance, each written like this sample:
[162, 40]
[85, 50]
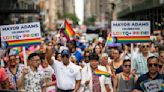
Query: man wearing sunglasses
[139, 66]
[125, 81]
[68, 75]
[152, 80]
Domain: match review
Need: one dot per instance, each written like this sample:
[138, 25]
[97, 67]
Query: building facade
[18, 11]
[151, 10]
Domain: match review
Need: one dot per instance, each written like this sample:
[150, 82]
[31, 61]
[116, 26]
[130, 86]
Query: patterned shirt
[96, 83]
[140, 64]
[34, 81]
[13, 77]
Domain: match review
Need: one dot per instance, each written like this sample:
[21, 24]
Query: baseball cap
[65, 52]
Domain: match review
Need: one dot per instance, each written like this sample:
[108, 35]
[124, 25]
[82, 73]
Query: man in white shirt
[68, 75]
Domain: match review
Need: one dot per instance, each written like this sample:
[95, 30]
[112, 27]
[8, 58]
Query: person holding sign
[152, 81]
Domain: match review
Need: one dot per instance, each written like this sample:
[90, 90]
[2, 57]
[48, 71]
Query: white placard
[130, 28]
[20, 31]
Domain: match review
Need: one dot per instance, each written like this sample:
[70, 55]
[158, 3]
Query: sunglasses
[145, 46]
[127, 65]
[151, 65]
[160, 66]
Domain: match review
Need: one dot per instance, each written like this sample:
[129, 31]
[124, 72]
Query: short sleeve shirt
[13, 78]
[66, 75]
[34, 81]
[145, 77]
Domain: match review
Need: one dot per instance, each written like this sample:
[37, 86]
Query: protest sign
[152, 85]
[20, 34]
[131, 31]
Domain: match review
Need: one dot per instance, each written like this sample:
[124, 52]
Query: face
[153, 65]
[12, 60]
[59, 57]
[94, 64]
[161, 57]
[71, 48]
[35, 61]
[111, 53]
[116, 54]
[127, 67]
[97, 49]
[104, 60]
[86, 57]
[145, 47]
[50, 46]
[44, 62]
[65, 59]
[160, 66]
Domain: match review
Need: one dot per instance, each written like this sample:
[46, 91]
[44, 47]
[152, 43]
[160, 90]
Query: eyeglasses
[127, 65]
[145, 46]
[160, 66]
[12, 59]
[151, 65]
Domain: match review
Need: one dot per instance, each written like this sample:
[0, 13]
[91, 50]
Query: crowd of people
[58, 65]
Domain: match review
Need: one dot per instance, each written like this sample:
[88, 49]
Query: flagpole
[62, 25]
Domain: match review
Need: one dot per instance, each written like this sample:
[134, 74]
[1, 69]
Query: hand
[133, 72]
[87, 82]
[25, 71]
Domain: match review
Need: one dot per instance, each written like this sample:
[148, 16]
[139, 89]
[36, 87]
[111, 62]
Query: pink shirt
[3, 75]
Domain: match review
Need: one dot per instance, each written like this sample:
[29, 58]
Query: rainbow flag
[100, 72]
[68, 32]
[111, 41]
[162, 87]
[23, 42]
[133, 39]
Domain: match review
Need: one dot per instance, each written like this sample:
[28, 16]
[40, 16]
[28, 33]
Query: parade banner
[111, 41]
[20, 34]
[131, 31]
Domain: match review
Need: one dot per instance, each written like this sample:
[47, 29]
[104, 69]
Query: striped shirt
[140, 64]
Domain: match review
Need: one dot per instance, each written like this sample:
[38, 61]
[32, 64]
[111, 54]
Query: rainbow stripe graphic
[68, 32]
[100, 72]
[16, 43]
[111, 41]
[133, 39]
[162, 87]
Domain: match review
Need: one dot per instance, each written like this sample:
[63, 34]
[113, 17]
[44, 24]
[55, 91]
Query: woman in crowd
[116, 64]
[90, 81]
[50, 81]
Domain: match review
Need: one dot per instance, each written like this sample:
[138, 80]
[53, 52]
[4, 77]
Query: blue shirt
[146, 77]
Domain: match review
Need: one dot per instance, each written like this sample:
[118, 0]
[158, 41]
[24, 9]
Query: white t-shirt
[66, 75]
